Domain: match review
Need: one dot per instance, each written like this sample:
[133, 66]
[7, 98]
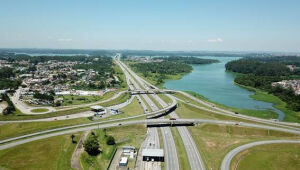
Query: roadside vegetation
[268, 157]
[133, 109]
[165, 98]
[215, 141]
[134, 136]
[76, 100]
[39, 110]
[51, 153]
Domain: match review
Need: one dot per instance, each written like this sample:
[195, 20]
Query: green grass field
[77, 100]
[269, 157]
[51, 153]
[134, 136]
[121, 99]
[215, 141]
[155, 101]
[39, 110]
[17, 129]
[165, 98]
[133, 109]
[121, 76]
[190, 112]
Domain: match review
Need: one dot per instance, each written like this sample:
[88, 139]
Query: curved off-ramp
[228, 158]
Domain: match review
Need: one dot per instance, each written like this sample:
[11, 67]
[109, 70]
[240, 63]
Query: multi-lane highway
[171, 159]
[194, 157]
[78, 128]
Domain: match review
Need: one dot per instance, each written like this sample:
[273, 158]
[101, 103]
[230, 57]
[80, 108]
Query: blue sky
[223, 25]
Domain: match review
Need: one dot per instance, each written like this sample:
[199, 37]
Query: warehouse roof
[153, 152]
[97, 107]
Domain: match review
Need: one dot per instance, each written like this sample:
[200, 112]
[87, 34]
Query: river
[213, 82]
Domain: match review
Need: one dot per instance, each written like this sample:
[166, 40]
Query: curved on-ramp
[228, 158]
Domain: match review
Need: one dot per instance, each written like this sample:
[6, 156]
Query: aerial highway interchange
[155, 116]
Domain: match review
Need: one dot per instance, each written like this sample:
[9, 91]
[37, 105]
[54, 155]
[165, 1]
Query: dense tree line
[250, 66]
[5, 81]
[164, 67]
[262, 72]
[287, 60]
[41, 96]
[188, 60]
[10, 106]
[91, 145]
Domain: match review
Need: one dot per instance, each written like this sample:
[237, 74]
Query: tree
[72, 137]
[91, 145]
[110, 140]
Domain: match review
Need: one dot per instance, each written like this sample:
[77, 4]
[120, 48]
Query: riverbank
[259, 95]
[265, 114]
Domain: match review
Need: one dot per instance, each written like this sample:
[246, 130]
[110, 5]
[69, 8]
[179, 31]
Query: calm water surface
[214, 83]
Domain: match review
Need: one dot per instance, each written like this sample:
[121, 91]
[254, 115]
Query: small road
[72, 116]
[75, 160]
[228, 158]
[26, 109]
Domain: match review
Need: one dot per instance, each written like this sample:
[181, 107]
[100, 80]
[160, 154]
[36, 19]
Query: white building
[123, 161]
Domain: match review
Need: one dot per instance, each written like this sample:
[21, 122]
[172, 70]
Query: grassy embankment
[119, 73]
[17, 129]
[125, 135]
[161, 144]
[39, 110]
[266, 114]
[290, 115]
[215, 141]
[18, 115]
[50, 153]
[165, 98]
[268, 157]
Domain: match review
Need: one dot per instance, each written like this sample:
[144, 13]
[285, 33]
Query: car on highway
[172, 118]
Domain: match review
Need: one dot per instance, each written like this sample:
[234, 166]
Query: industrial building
[153, 155]
[99, 110]
[129, 151]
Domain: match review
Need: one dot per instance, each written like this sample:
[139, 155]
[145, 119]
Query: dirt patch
[238, 158]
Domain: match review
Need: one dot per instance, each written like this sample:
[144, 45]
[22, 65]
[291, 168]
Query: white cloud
[216, 40]
[64, 39]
